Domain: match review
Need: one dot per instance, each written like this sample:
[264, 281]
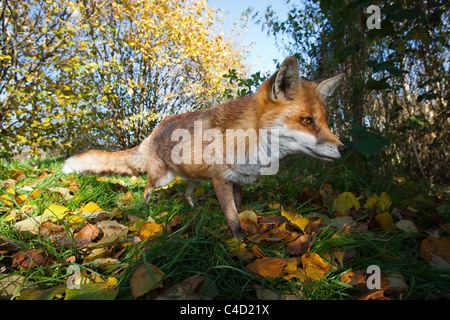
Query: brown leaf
[249, 226]
[267, 267]
[84, 237]
[376, 295]
[309, 194]
[300, 246]
[142, 281]
[353, 277]
[183, 290]
[270, 222]
[90, 231]
[29, 259]
[18, 175]
[104, 215]
[436, 250]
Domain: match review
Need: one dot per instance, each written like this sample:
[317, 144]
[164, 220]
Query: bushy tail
[130, 162]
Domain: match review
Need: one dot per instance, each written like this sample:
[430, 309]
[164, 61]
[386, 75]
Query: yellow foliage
[381, 202]
[384, 221]
[345, 201]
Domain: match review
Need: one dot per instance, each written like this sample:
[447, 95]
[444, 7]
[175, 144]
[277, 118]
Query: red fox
[286, 116]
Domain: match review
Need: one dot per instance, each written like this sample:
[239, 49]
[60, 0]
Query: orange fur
[283, 103]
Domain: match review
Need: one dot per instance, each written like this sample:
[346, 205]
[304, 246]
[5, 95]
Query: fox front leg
[225, 195]
[237, 194]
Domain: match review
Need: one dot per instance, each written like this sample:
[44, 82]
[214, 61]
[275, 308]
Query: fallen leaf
[199, 192]
[382, 202]
[353, 277]
[249, 226]
[89, 209]
[300, 246]
[436, 248]
[193, 288]
[315, 267]
[45, 294]
[326, 192]
[396, 280]
[150, 230]
[384, 221]
[89, 232]
[11, 285]
[18, 175]
[266, 294]
[93, 291]
[249, 222]
[30, 224]
[267, 267]
[55, 212]
[63, 192]
[296, 219]
[112, 233]
[341, 222]
[249, 215]
[21, 199]
[375, 295]
[406, 225]
[7, 198]
[29, 259]
[345, 201]
[291, 265]
[145, 278]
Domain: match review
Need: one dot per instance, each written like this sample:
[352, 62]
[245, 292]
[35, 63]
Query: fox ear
[326, 87]
[286, 80]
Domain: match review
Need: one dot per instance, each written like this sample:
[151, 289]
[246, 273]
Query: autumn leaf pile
[49, 225]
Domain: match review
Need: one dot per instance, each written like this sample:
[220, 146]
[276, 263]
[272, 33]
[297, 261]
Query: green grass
[198, 244]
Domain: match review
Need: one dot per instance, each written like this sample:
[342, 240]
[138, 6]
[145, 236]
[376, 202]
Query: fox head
[297, 108]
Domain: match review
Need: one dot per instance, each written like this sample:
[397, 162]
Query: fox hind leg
[148, 191]
[189, 191]
[156, 181]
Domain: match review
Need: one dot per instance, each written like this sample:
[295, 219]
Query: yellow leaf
[199, 192]
[315, 267]
[35, 194]
[384, 221]
[150, 230]
[73, 218]
[55, 212]
[326, 192]
[299, 274]
[296, 219]
[291, 266]
[267, 267]
[382, 202]
[249, 215]
[5, 198]
[345, 201]
[144, 279]
[21, 199]
[90, 207]
[372, 201]
[111, 281]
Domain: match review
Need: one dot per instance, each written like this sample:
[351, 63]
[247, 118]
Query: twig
[417, 156]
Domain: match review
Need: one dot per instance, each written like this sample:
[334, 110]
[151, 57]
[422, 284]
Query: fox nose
[342, 149]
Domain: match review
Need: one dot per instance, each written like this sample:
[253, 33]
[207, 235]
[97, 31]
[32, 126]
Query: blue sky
[264, 49]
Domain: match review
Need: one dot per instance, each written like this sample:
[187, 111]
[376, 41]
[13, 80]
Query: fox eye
[307, 120]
